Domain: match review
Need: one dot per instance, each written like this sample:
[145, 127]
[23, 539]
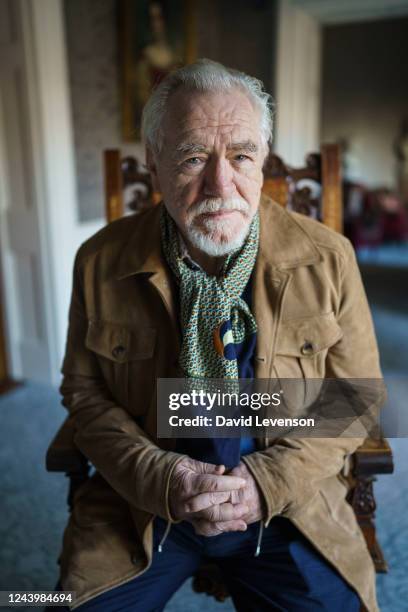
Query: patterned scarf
[214, 317]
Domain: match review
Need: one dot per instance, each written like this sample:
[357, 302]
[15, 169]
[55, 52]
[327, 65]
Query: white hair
[204, 75]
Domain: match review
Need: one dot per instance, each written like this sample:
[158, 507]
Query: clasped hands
[213, 501]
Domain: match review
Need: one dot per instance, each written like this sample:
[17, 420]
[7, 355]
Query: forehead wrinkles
[207, 140]
[223, 112]
[216, 132]
[224, 119]
[213, 134]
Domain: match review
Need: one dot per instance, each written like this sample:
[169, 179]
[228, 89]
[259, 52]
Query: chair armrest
[62, 454]
[373, 457]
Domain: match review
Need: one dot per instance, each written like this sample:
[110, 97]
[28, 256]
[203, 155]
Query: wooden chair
[314, 190]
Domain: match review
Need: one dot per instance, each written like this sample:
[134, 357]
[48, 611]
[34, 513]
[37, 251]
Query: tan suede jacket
[124, 333]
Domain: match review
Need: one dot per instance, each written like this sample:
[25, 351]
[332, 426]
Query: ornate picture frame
[155, 36]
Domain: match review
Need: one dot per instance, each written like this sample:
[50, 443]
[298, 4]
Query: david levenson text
[248, 421]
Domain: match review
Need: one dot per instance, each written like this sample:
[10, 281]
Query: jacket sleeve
[106, 433]
[290, 470]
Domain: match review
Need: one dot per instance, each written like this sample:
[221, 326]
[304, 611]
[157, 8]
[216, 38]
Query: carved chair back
[313, 190]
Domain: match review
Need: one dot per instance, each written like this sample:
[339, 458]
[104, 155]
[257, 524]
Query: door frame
[49, 123]
[4, 369]
[297, 83]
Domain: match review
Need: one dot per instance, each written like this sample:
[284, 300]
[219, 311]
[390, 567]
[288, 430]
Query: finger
[224, 512]
[211, 483]
[206, 500]
[236, 471]
[201, 467]
[206, 528]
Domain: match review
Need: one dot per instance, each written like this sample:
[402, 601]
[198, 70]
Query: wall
[365, 94]
[238, 33]
[92, 48]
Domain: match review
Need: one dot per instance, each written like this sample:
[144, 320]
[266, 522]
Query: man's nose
[218, 181]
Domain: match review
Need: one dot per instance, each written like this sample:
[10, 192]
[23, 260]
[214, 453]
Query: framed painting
[155, 37]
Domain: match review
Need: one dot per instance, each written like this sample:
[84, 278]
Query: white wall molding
[297, 83]
[64, 233]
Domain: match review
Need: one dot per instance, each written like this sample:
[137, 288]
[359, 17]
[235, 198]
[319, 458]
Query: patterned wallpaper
[94, 82]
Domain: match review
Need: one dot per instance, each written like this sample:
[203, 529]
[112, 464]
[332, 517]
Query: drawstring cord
[166, 533]
[258, 544]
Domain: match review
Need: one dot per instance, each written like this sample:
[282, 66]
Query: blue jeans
[288, 575]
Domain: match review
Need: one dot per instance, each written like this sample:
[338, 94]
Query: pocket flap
[120, 343]
[307, 336]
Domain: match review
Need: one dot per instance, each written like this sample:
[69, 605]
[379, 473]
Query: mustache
[212, 205]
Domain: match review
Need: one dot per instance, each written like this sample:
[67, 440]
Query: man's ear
[152, 168]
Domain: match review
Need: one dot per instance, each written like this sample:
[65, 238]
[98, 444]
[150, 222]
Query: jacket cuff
[165, 502]
[256, 465]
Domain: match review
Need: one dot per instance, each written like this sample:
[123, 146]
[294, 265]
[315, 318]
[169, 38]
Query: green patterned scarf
[214, 317]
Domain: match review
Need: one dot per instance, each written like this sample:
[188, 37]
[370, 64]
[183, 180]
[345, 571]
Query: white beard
[203, 238]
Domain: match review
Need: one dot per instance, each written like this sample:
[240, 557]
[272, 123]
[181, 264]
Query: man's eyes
[195, 161]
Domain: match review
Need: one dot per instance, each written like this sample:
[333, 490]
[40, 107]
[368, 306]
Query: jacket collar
[142, 252]
[284, 243]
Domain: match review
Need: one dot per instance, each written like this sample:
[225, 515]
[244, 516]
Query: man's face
[209, 170]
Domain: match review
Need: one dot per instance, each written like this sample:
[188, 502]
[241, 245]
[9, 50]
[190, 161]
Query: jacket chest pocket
[125, 354]
[301, 351]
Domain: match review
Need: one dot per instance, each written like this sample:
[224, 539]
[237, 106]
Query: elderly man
[150, 295]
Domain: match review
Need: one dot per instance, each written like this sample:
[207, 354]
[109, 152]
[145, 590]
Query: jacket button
[307, 348]
[118, 351]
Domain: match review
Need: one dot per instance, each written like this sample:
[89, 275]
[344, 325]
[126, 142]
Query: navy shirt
[227, 451]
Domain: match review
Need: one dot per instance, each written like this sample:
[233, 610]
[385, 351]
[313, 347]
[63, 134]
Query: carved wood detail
[292, 187]
[133, 175]
[363, 500]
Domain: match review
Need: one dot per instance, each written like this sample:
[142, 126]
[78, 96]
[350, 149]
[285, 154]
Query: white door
[28, 326]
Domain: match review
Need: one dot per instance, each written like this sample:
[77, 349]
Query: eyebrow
[246, 145]
[191, 147]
